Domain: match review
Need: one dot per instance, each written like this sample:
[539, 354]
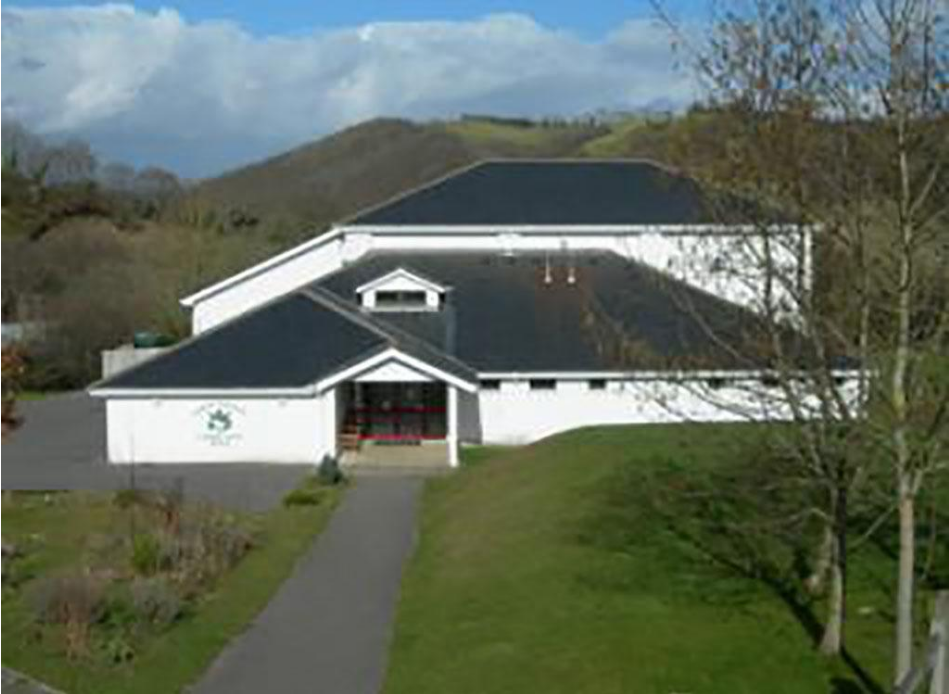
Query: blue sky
[202, 86]
[589, 20]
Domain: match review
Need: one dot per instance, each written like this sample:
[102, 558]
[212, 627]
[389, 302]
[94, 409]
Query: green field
[60, 531]
[543, 569]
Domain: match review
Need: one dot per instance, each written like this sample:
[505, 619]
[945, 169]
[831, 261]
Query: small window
[596, 384]
[491, 384]
[394, 299]
[543, 384]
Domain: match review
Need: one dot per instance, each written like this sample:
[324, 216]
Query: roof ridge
[328, 300]
[452, 173]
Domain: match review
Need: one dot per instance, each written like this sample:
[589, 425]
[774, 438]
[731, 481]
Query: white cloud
[199, 96]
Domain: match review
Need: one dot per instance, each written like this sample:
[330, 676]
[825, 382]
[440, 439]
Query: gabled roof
[582, 192]
[291, 343]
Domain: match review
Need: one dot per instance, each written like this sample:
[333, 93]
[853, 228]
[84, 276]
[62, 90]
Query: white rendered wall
[728, 265]
[176, 430]
[517, 415]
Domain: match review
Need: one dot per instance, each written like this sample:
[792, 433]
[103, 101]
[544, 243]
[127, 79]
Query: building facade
[501, 304]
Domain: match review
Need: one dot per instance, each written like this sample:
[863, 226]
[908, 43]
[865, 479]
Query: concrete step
[382, 469]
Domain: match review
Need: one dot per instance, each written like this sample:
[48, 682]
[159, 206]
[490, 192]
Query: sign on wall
[219, 423]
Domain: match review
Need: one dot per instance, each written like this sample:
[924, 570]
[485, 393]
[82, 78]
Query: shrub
[329, 472]
[14, 367]
[170, 503]
[74, 600]
[146, 554]
[13, 570]
[304, 496]
[118, 613]
[155, 602]
[118, 650]
[231, 543]
[127, 498]
[207, 545]
[312, 489]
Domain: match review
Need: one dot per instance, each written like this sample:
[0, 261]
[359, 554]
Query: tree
[838, 117]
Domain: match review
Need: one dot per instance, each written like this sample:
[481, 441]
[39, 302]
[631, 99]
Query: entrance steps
[427, 457]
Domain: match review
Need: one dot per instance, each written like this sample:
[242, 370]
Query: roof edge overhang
[394, 354]
[660, 375]
[197, 297]
[352, 370]
[496, 228]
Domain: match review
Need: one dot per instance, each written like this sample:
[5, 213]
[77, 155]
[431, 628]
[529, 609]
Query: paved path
[17, 683]
[61, 446]
[327, 629]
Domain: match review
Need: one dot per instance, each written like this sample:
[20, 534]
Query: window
[405, 299]
[596, 384]
[491, 384]
[543, 384]
[716, 383]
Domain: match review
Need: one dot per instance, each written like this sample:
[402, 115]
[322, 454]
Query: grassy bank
[546, 569]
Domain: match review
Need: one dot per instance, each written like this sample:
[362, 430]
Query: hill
[329, 179]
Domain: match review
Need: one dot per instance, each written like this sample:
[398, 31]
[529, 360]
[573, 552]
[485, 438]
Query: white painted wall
[304, 430]
[723, 264]
[517, 415]
[175, 430]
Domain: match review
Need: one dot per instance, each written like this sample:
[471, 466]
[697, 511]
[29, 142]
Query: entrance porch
[403, 424]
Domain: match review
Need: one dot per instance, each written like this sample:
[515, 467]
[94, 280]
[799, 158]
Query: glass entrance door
[400, 411]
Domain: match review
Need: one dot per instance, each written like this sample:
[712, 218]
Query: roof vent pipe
[548, 277]
[571, 266]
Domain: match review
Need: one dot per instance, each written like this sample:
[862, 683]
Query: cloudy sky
[200, 87]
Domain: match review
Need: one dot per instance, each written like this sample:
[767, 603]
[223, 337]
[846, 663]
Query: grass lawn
[541, 570]
[57, 531]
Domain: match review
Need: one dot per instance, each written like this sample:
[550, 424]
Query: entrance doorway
[397, 412]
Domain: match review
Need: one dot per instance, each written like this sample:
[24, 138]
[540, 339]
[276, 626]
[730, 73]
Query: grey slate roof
[552, 192]
[292, 342]
[500, 314]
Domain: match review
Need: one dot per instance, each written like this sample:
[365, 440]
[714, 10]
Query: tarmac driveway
[61, 446]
